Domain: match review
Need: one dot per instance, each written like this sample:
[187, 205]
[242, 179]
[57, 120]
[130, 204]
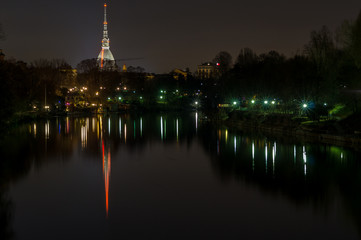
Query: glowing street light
[234, 103]
[266, 102]
[273, 102]
[253, 101]
[304, 105]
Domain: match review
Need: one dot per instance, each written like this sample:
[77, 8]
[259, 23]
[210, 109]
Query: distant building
[2, 55]
[105, 58]
[206, 70]
[178, 72]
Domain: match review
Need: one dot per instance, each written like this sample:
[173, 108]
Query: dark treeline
[325, 74]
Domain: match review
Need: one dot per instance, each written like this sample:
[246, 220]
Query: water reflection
[34, 130]
[307, 175]
[106, 173]
[47, 129]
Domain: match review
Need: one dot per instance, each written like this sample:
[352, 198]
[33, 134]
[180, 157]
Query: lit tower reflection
[106, 173]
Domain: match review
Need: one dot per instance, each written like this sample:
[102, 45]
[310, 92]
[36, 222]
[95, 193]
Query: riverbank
[346, 132]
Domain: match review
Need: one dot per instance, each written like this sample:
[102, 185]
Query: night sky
[165, 34]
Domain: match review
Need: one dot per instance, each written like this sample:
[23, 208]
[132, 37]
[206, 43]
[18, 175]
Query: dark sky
[166, 34]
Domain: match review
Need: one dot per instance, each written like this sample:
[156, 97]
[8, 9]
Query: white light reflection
[120, 128]
[141, 127]
[266, 155]
[47, 130]
[235, 145]
[294, 154]
[196, 120]
[273, 159]
[161, 128]
[304, 155]
[177, 129]
[275, 149]
[253, 155]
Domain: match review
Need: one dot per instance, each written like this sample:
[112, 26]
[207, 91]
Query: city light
[253, 101]
[266, 102]
[196, 103]
[273, 102]
[304, 105]
[234, 103]
[120, 98]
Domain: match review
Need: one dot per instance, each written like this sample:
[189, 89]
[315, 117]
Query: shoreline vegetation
[342, 131]
[345, 132]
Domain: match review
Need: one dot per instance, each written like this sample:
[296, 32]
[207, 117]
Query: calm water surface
[171, 176]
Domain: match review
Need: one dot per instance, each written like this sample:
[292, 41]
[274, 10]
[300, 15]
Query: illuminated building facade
[206, 70]
[105, 58]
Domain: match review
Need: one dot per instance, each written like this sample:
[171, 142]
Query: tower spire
[105, 57]
[105, 31]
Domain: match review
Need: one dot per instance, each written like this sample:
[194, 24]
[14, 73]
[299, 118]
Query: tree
[322, 53]
[356, 41]
[223, 62]
[343, 35]
[88, 65]
[246, 57]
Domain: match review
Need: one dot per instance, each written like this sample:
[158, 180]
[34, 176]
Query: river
[171, 176]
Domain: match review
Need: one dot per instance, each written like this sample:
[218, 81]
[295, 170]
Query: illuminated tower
[105, 59]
